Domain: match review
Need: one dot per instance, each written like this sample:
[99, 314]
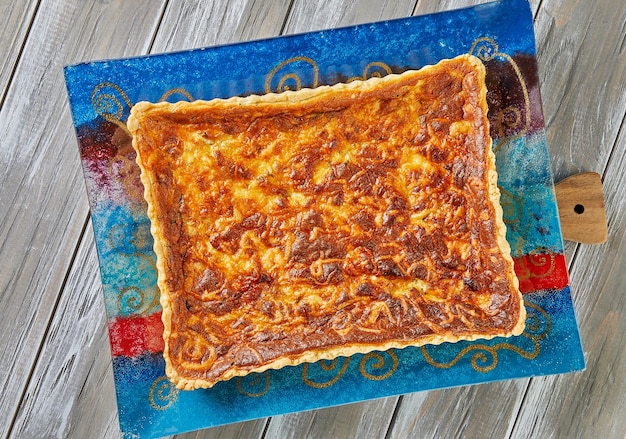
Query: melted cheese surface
[322, 222]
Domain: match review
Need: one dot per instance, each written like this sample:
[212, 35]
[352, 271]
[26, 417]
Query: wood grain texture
[188, 24]
[73, 379]
[430, 6]
[482, 411]
[14, 23]
[581, 208]
[307, 16]
[43, 200]
[582, 73]
[582, 59]
[240, 430]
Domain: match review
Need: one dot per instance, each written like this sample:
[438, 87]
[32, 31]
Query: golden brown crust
[308, 225]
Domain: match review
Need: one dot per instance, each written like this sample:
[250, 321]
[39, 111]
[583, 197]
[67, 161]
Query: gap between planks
[53, 312]
[20, 52]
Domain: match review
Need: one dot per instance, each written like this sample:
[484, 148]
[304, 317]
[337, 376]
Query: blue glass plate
[101, 94]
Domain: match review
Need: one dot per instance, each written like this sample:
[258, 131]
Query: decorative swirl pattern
[375, 362]
[112, 103]
[376, 70]
[485, 357]
[337, 367]
[163, 394]
[373, 70]
[484, 48]
[133, 244]
[479, 360]
[538, 323]
[291, 80]
[176, 91]
[543, 264]
[131, 299]
[254, 385]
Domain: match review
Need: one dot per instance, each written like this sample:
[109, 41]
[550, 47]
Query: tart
[325, 222]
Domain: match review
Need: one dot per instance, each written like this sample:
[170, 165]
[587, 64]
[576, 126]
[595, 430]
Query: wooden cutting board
[580, 201]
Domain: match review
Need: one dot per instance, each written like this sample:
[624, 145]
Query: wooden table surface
[57, 379]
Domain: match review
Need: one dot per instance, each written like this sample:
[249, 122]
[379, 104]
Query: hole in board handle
[579, 209]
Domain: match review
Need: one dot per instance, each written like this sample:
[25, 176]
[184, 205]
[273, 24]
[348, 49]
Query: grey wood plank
[366, 419]
[430, 6]
[198, 24]
[581, 53]
[307, 16]
[240, 430]
[481, 411]
[71, 393]
[43, 197]
[14, 22]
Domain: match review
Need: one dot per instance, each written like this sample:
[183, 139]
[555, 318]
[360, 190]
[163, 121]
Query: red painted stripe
[132, 336]
[541, 271]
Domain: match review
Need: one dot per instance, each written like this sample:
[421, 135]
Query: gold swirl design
[131, 297]
[477, 357]
[539, 258]
[369, 71]
[134, 300]
[162, 394]
[481, 362]
[377, 361]
[328, 366]
[142, 240]
[110, 102]
[291, 78]
[534, 323]
[486, 49]
[176, 91]
[247, 385]
[374, 69]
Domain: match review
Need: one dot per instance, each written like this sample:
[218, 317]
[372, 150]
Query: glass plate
[101, 94]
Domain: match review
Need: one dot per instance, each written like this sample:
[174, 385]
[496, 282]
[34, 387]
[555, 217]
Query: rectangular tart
[325, 222]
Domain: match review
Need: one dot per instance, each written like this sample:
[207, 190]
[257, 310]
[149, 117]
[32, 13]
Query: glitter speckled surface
[101, 94]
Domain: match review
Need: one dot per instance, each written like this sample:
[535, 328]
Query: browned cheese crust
[324, 222]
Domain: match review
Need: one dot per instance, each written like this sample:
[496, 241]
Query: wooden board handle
[581, 208]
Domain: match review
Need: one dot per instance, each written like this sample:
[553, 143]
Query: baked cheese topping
[306, 225]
